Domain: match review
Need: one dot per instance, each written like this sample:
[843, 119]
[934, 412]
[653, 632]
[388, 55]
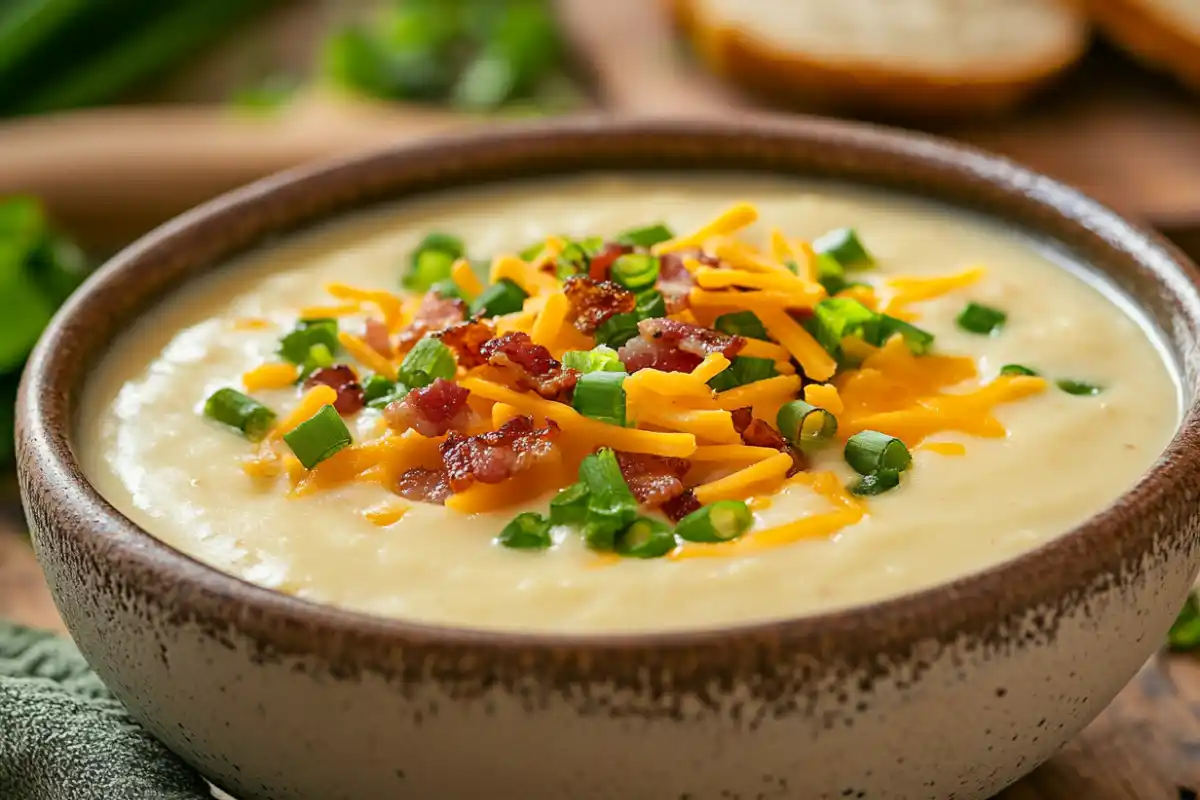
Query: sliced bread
[1165, 34]
[908, 58]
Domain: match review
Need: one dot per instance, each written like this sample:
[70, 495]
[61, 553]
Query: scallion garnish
[844, 247]
[378, 391]
[869, 452]
[573, 259]
[742, 323]
[446, 287]
[532, 252]
[1016, 369]
[429, 360]
[598, 359]
[502, 297]
[231, 407]
[297, 345]
[830, 274]
[569, 506]
[722, 521]
[743, 370]
[1079, 388]
[835, 318]
[919, 341]
[1185, 632]
[981, 319]
[651, 305]
[432, 261]
[805, 425]
[617, 329]
[876, 483]
[635, 271]
[320, 437]
[645, 237]
[645, 538]
[611, 506]
[526, 531]
[601, 396]
[319, 357]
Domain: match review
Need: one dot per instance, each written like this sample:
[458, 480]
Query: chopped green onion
[835, 318]
[981, 319]
[611, 506]
[645, 538]
[573, 259]
[532, 252]
[919, 341]
[804, 425]
[378, 388]
[843, 246]
[447, 288]
[232, 408]
[569, 506]
[1185, 632]
[830, 274]
[526, 531]
[297, 345]
[876, 483]
[651, 305]
[319, 357]
[319, 437]
[743, 370]
[722, 521]
[617, 329]
[429, 360]
[1079, 388]
[742, 323]
[872, 451]
[1016, 369]
[601, 395]
[432, 261]
[598, 359]
[502, 297]
[635, 271]
[645, 237]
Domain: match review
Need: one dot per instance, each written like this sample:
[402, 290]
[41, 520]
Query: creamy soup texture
[150, 451]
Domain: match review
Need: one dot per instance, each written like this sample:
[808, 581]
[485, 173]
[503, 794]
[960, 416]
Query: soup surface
[984, 484]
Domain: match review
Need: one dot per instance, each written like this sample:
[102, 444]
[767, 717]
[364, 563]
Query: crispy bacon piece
[431, 410]
[654, 480]
[424, 485]
[467, 340]
[435, 313]
[679, 507]
[673, 346]
[759, 433]
[497, 455]
[343, 380]
[531, 365]
[378, 338]
[674, 281]
[592, 302]
[602, 262]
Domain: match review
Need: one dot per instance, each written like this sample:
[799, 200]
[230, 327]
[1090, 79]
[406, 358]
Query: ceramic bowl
[951, 692]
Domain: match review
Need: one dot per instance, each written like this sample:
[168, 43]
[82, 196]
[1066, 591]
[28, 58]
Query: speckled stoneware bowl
[950, 692]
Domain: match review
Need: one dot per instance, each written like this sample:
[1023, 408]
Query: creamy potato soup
[618, 404]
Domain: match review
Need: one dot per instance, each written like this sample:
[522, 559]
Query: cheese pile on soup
[614, 404]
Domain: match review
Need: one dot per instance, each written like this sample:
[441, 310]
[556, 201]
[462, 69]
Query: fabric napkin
[63, 736]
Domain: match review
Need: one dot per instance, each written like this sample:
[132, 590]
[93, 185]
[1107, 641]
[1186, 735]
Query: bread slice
[909, 58]
[1165, 34]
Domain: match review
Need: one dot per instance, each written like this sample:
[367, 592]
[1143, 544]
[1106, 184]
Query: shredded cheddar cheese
[313, 401]
[330, 312]
[945, 448]
[270, 376]
[730, 221]
[551, 320]
[388, 304]
[712, 365]
[816, 363]
[367, 355]
[909, 290]
[386, 514]
[531, 280]
[824, 395]
[732, 452]
[251, 324]
[465, 279]
[785, 283]
[781, 386]
[768, 473]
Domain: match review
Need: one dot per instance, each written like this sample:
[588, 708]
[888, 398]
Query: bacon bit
[654, 480]
[639, 353]
[681, 506]
[378, 337]
[467, 340]
[424, 485]
[675, 281]
[497, 455]
[593, 302]
[760, 433]
[531, 365]
[434, 314]
[431, 410]
[344, 380]
[673, 346]
[602, 262]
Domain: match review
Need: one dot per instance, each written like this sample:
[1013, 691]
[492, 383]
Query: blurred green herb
[1185, 633]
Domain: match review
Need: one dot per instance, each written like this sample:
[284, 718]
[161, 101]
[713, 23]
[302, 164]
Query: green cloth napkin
[63, 736]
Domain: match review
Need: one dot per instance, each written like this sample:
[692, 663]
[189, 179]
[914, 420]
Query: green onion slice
[601, 395]
[645, 538]
[835, 318]
[446, 287]
[297, 345]
[526, 531]
[722, 521]
[231, 407]
[617, 329]
[611, 506]
[378, 388]
[645, 237]
[871, 451]
[432, 261]
[1185, 632]
[1016, 369]
[743, 370]
[569, 506]
[635, 271]
[651, 305]
[830, 274]
[318, 438]
[1079, 388]
[319, 357]
[742, 323]
[532, 252]
[598, 359]
[981, 319]
[876, 483]
[429, 360]
[805, 425]
[573, 259]
[502, 297]
[844, 247]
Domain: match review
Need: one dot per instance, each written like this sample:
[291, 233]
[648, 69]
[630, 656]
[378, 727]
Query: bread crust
[1142, 32]
[862, 88]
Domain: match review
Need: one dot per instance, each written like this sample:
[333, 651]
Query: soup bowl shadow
[953, 691]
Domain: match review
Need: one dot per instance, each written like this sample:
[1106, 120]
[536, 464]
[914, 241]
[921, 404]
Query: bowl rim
[981, 605]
